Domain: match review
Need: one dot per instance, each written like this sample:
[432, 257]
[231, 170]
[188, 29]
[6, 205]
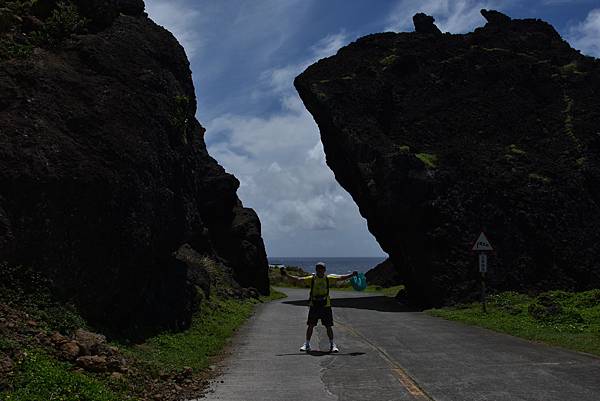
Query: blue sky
[244, 56]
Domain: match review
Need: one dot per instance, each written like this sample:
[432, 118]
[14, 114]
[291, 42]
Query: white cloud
[455, 16]
[280, 162]
[329, 45]
[178, 18]
[585, 36]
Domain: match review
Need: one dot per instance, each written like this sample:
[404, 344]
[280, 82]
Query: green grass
[275, 295]
[570, 320]
[516, 150]
[430, 160]
[208, 334]
[39, 377]
[376, 289]
[392, 291]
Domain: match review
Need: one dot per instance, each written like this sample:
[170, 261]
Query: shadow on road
[322, 353]
[378, 303]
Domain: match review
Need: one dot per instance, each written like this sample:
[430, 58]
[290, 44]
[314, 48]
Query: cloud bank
[585, 36]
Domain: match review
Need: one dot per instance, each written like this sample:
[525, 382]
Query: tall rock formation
[439, 136]
[104, 173]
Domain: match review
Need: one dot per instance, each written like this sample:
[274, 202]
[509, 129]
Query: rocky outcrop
[384, 274]
[104, 173]
[438, 137]
[425, 24]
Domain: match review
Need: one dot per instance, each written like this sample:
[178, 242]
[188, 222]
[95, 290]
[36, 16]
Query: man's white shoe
[333, 348]
[305, 347]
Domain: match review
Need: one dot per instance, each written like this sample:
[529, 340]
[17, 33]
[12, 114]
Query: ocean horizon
[335, 265]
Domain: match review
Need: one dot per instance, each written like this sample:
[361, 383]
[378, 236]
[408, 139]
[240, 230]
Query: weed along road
[389, 353]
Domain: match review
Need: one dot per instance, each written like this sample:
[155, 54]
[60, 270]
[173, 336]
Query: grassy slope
[39, 376]
[205, 338]
[570, 320]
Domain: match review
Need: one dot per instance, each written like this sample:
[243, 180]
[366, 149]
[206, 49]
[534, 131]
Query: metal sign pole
[482, 245]
[483, 306]
[483, 265]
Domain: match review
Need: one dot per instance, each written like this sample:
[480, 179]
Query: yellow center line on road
[404, 378]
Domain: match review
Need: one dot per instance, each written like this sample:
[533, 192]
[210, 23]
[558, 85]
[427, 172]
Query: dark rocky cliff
[104, 173]
[439, 136]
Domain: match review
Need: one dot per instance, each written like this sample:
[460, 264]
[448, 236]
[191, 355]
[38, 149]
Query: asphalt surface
[390, 354]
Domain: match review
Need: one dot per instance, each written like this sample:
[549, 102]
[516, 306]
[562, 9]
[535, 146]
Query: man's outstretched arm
[347, 276]
[296, 279]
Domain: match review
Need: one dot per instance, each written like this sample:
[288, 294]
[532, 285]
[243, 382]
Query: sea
[335, 265]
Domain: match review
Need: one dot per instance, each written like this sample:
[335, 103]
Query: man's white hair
[322, 264]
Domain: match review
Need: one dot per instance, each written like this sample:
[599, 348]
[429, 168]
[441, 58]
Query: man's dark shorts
[320, 312]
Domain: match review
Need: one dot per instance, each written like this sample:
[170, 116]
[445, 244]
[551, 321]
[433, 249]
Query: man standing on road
[319, 302]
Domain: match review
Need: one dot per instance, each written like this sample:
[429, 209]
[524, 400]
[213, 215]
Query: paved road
[389, 354]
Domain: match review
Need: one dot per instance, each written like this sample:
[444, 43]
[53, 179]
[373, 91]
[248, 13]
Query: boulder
[89, 343]
[93, 363]
[69, 350]
[437, 140]
[116, 376]
[58, 339]
[384, 275]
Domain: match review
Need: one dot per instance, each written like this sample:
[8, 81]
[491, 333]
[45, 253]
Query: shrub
[549, 307]
[510, 301]
[544, 313]
[587, 299]
[64, 21]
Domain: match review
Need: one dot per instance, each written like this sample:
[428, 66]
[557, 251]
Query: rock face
[104, 173]
[384, 274]
[438, 137]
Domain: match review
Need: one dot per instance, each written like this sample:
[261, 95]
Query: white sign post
[482, 263]
[482, 246]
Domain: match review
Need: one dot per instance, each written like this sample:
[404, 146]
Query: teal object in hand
[359, 282]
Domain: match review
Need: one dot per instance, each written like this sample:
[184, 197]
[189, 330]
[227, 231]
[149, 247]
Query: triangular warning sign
[482, 244]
